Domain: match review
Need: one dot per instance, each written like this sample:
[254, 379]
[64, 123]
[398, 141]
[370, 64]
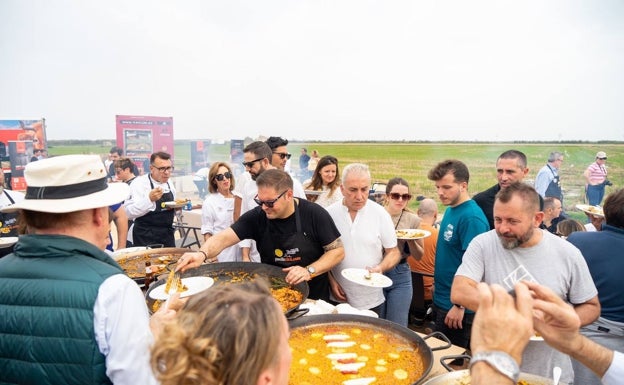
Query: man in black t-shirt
[511, 167]
[292, 233]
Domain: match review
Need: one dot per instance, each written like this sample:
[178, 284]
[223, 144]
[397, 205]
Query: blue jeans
[398, 296]
[595, 194]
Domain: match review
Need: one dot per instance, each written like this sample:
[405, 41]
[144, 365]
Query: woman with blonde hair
[326, 179]
[218, 208]
[232, 334]
[399, 295]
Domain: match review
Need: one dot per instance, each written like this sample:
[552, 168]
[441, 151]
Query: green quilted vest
[48, 288]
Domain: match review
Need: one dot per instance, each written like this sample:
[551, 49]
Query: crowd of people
[511, 238]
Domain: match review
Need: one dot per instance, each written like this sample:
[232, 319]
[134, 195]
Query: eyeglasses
[226, 174]
[605, 158]
[397, 196]
[164, 169]
[251, 163]
[283, 155]
[270, 203]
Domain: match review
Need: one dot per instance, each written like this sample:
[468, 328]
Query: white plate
[412, 233]
[8, 241]
[194, 285]
[345, 308]
[594, 210]
[174, 204]
[121, 252]
[358, 276]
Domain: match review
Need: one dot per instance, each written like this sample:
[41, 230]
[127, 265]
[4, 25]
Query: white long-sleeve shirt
[139, 203]
[122, 331]
[218, 215]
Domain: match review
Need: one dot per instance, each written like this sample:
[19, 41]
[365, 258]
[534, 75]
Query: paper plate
[8, 241]
[412, 234]
[359, 276]
[194, 285]
[174, 204]
[594, 210]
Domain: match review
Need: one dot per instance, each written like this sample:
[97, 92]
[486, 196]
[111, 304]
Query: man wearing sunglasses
[292, 233]
[153, 222]
[257, 159]
[280, 159]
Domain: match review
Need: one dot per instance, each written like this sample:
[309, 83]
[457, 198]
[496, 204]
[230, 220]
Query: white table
[189, 224]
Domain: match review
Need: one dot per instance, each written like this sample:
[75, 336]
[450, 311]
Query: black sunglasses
[270, 203]
[226, 174]
[250, 164]
[283, 155]
[605, 158]
[396, 196]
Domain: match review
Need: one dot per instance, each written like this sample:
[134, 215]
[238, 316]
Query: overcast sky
[318, 70]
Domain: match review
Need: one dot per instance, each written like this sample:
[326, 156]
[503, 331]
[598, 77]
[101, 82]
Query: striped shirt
[597, 173]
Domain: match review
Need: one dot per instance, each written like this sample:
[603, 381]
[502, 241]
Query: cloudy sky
[318, 69]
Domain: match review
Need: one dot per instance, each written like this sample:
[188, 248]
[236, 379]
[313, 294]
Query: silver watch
[500, 361]
[311, 270]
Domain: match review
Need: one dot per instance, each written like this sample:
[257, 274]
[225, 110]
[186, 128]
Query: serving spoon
[556, 375]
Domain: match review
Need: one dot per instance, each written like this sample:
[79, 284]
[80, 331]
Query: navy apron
[554, 187]
[294, 249]
[155, 227]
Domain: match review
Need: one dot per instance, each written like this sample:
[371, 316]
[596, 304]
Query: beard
[511, 242]
[255, 176]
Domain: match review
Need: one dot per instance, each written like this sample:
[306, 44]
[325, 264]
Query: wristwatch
[500, 361]
[311, 270]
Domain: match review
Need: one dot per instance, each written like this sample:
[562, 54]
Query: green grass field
[412, 161]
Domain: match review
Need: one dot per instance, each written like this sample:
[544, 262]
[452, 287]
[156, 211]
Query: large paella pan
[290, 297]
[352, 349]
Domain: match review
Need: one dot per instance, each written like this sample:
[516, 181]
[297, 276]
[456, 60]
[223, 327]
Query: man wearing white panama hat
[68, 313]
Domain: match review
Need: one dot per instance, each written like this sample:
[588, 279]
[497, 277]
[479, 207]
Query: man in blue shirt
[462, 221]
[603, 252]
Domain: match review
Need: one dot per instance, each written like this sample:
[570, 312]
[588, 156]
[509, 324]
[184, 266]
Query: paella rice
[347, 354]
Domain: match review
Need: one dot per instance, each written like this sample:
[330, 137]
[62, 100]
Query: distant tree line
[111, 142]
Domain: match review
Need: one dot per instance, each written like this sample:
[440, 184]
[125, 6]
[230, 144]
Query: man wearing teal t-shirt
[463, 220]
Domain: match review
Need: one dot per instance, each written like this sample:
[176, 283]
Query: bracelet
[459, 306]
[205, 255]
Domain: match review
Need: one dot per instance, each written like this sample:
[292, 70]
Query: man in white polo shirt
[368, 237]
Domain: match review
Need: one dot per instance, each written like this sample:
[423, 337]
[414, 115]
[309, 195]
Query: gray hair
[355, 168]
[554, 156]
